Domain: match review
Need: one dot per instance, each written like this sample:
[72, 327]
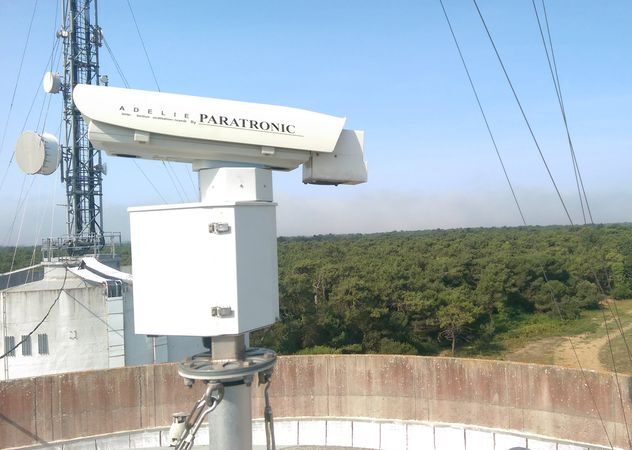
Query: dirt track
[569, 352]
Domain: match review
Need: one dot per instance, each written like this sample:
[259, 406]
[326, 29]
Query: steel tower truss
[82, 169]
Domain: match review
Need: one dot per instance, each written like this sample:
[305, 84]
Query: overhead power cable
[37, 91]
[171, 173]
[38, 87]
[5, 174]
[38, 234]
[95, 315]
[17, 80]
[151, 67]
[614, 311]
[126, 84]
[50, 98]
[480, 107]
[581, 181]
[175, 186]
[558, 90]
[616, 376]
[168, 165]
[17, 208]
[542, 269]
[583, 373]
[578, 180]
[195, 189]
[20, 228]
[116, 64]
[524, 115]
[184, 191]
[53, 196]
[149, 181]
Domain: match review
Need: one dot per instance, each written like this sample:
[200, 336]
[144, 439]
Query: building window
[9, 343]
[26, 345]
[115, 288]
[42, 344]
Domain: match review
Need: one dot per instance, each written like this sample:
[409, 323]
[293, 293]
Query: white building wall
[76, 328]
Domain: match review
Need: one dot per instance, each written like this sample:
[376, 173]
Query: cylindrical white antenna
[37, 154]
[51, 83]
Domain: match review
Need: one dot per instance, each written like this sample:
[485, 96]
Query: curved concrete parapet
[539, 400]
[521, 399]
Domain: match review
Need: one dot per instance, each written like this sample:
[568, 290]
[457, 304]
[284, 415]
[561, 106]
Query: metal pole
[230, 425]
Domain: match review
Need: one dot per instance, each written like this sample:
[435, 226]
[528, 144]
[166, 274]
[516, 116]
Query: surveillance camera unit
[171, 127]
[210, 268]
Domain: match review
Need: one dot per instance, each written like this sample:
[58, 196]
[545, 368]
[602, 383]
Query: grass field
[544, 339]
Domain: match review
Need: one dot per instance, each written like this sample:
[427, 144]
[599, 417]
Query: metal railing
[66, 247]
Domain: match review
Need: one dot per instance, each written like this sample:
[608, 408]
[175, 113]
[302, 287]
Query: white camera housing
[171, 127]
[210, 268]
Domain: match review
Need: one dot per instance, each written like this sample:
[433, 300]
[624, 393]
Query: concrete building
[76, 318]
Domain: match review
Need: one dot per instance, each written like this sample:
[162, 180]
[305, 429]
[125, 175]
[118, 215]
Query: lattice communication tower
[81, 166]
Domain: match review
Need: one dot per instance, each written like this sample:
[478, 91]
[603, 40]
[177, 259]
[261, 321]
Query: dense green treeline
[17, 258]
[425, 292]
[421, 292]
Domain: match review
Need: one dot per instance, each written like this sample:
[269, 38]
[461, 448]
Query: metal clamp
[212, 397]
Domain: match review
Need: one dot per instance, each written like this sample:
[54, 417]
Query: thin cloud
[390, 211]
[383, 211]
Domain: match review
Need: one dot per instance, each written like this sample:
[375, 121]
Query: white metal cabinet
[192, 277]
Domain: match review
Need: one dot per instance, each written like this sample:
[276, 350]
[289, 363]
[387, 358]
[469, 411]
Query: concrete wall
[520, 398]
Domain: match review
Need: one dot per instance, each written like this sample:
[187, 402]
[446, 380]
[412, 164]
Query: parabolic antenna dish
[51, 83]
[37, 153]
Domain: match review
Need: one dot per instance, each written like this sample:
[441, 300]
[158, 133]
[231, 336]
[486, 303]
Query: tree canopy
[421, 292]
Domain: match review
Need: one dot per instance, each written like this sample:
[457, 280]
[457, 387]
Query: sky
[390, 68]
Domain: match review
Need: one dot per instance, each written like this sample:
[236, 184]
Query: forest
[18, 257]
[429, 292]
